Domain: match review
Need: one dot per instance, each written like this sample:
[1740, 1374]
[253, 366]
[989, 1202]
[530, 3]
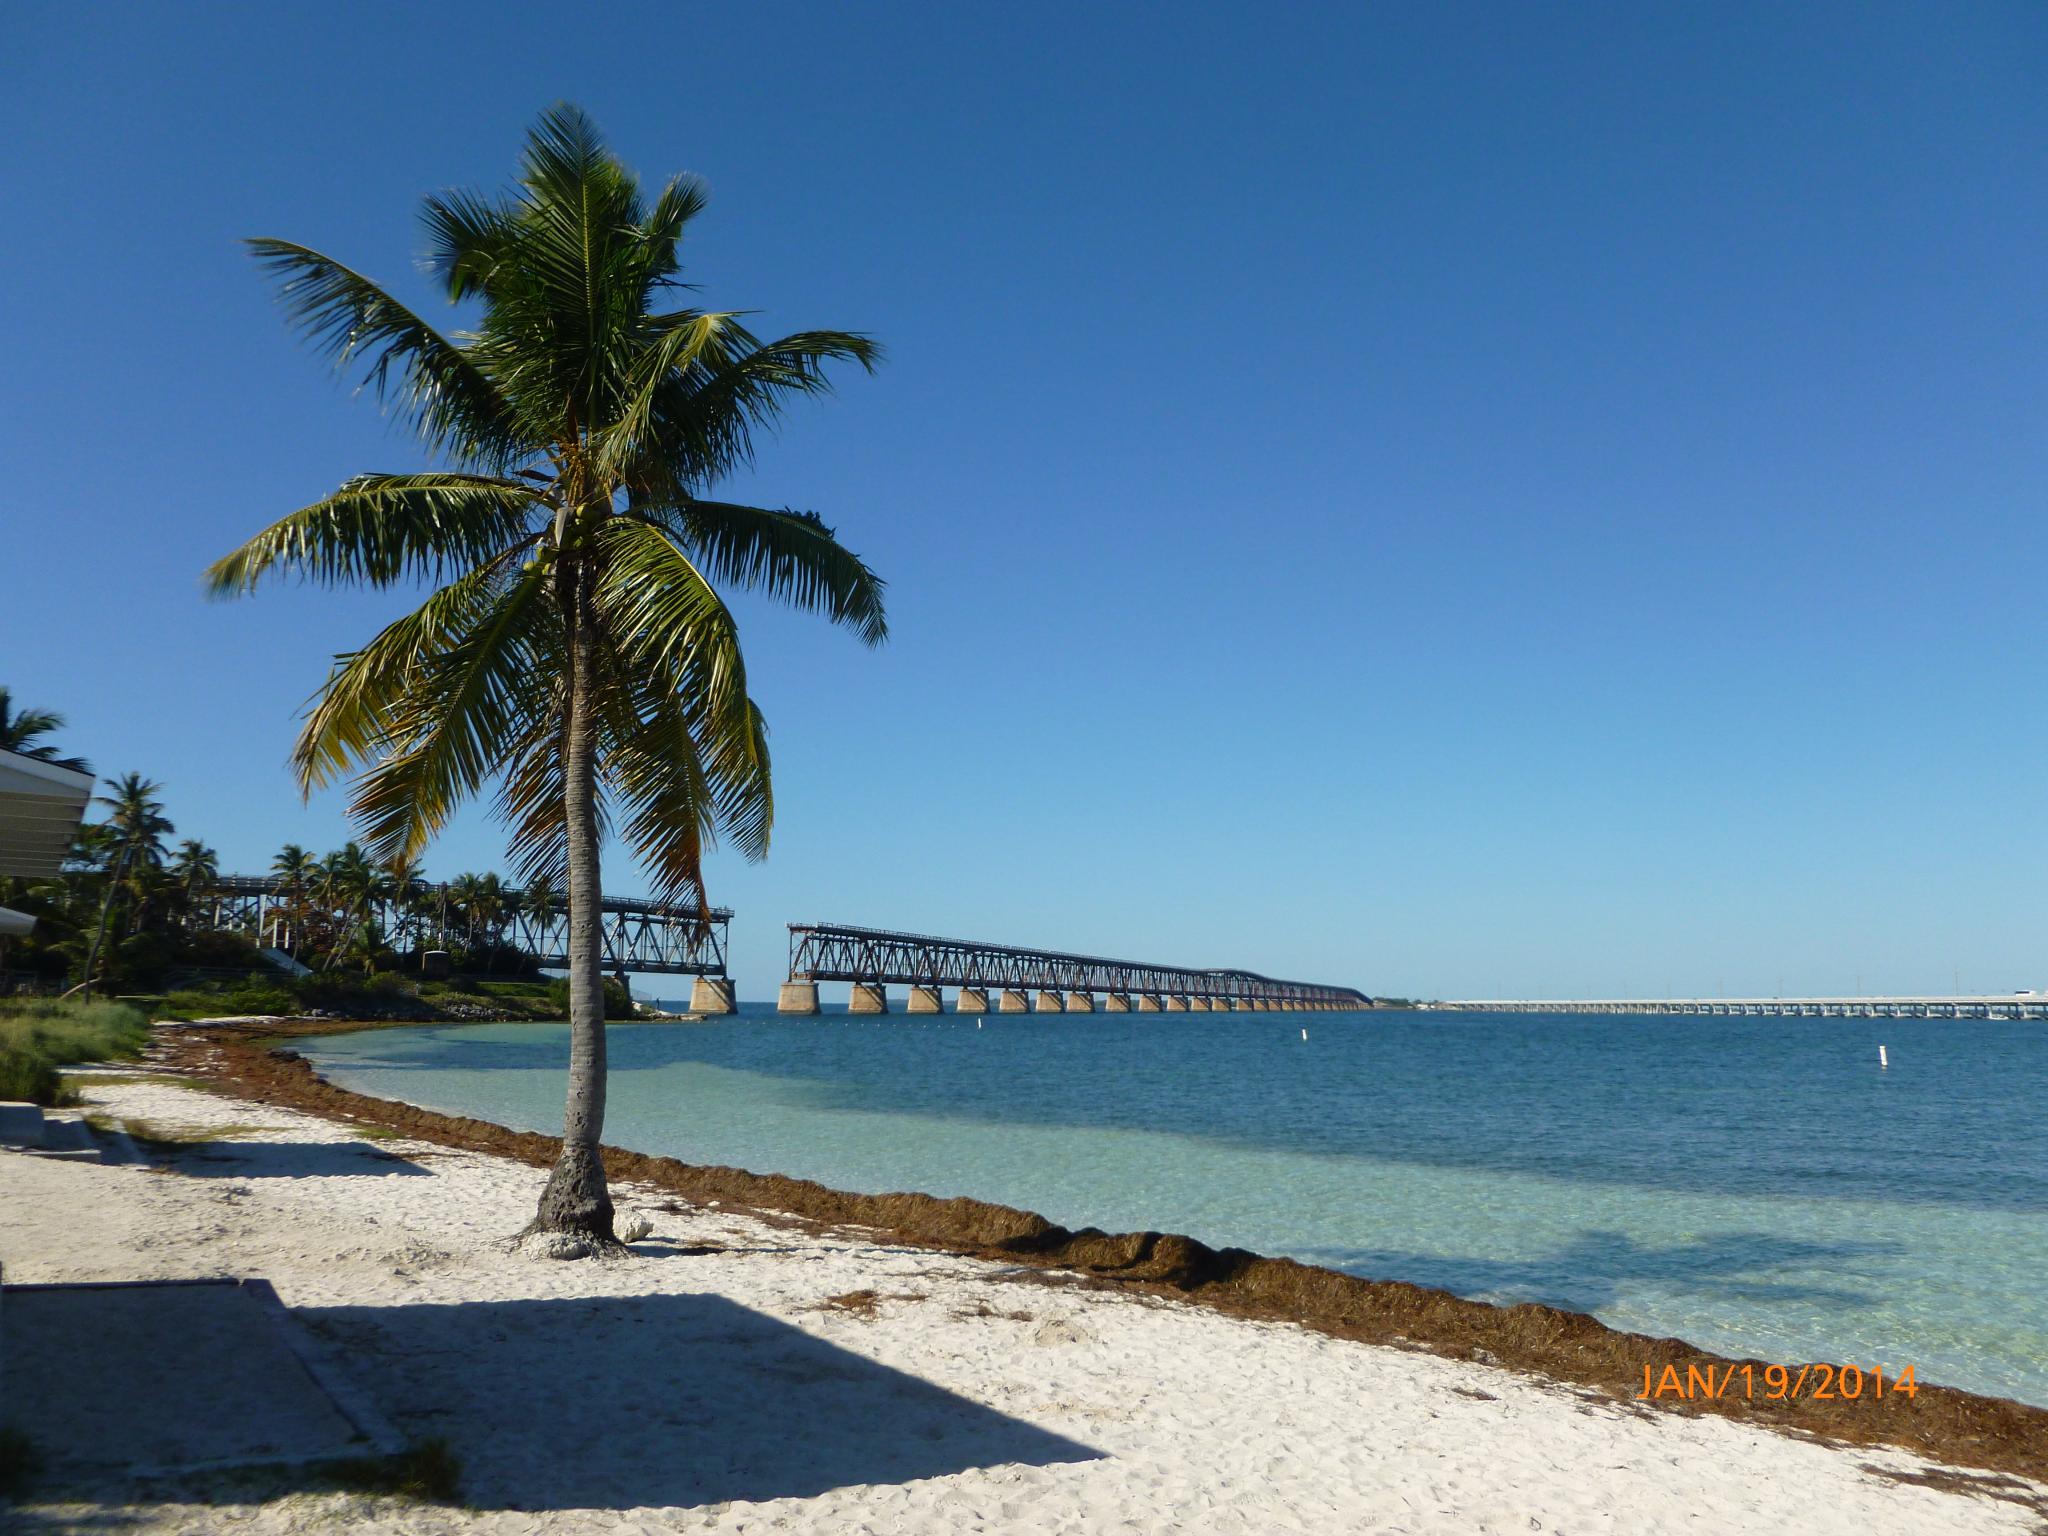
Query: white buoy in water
[1882, 1060]
[977, 1023]
[1304, 1034]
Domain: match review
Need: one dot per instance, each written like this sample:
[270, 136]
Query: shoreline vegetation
[1966, 1430]
[39, 1036]
[365, 1002]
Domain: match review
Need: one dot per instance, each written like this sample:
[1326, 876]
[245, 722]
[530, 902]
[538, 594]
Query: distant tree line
[131, 909]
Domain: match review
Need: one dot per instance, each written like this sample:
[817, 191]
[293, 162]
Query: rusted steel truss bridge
[1002, 978]
[649, 936]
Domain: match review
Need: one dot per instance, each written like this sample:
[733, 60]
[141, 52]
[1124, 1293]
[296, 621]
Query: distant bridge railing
[2014, 1005]
[636, 935]
[873, 958]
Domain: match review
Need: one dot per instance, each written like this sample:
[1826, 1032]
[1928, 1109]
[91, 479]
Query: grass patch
[428, 1472]
[79, 1083]
[39, 1035]
[154, 1133]
[249, 997]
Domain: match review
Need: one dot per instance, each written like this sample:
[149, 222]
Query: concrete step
[284, 962]
[67, 1133]
[21, 1125]
[66, 1137]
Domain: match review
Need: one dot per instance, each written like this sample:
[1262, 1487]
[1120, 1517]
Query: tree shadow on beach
[1591, 1271]
[229, 1159]
[660, 1401]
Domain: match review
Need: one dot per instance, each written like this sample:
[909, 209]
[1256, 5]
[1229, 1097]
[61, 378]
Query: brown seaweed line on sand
[1961, 1428]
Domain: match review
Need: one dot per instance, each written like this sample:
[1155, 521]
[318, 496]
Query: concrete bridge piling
[868, 997]
[926, 1000]
[972, 1000]
[711, 994]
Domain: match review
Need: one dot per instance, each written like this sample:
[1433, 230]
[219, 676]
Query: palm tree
[19, 730]
[487, 906]
[137, 819]
[295, 868]
[462, 893]
[349, 883]
[406, 888]
[196, 868]
[575, 651]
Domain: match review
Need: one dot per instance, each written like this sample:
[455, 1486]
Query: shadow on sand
[659, 1401]
[285, 1160]
[1592, 1270]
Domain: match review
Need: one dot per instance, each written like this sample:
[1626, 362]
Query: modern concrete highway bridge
[638, 935]
[2010, 1005]
[1024, 980]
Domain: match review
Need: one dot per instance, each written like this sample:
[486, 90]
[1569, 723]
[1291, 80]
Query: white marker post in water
[1304, 1034]
[1883, 1061]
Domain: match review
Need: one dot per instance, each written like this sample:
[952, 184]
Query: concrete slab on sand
[156, 1377]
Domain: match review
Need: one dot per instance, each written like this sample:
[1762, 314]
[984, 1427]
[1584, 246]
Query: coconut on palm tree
[575, 652]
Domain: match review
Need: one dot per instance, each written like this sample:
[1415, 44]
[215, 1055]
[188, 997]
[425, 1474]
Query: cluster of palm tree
[123, 890]
[351, 908]
[130, 905]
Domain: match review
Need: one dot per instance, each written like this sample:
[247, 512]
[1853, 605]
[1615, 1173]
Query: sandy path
[708, 1385]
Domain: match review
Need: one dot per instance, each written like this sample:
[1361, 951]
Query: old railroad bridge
[1023, 980]
[677, 940]
[648, 936]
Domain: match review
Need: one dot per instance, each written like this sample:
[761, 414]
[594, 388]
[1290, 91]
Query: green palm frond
[680, 343]
[663, 619]
[668, 800]
[21, 730]
[443, 732]
[380, 529]
[432, 384]
[681, 201]
[469, 240]
[790, 556]
[704, 418]
[357, 715]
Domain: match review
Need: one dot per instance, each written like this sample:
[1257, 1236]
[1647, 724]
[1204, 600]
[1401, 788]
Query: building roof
[40, 808]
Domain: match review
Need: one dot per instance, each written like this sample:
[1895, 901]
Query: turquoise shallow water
[1756, 1186]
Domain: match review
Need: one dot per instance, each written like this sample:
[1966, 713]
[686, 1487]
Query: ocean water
[1756, 1186]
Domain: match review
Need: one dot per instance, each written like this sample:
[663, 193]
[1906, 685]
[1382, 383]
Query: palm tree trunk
[576, 1200]
[92, 957]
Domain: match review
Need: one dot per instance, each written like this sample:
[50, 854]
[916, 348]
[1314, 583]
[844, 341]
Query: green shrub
[214, 947]
[618, 1002]
[41, 1034]
[19, 1462]
[217, 1000]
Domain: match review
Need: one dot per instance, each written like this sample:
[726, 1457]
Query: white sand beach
[709, 1383]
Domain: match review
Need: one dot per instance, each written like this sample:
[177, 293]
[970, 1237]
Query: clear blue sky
[1449, 499]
